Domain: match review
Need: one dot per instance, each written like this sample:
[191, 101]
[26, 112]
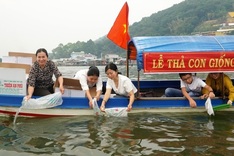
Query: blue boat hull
[72, 106]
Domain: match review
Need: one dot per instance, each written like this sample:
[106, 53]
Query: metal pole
[127, 64]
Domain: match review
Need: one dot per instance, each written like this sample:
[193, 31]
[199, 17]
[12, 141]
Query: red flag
[119, 31]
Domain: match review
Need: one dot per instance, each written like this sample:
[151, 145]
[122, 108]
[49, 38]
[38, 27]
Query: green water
[139, 134]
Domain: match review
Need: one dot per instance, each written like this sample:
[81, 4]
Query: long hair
[113, 67]
[42, 50]
[93, 71]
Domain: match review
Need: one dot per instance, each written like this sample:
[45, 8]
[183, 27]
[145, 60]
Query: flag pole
[127, 63]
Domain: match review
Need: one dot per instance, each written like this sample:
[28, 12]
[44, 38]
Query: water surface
[139, 134]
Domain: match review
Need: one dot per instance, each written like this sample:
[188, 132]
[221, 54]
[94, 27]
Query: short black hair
[183, 74]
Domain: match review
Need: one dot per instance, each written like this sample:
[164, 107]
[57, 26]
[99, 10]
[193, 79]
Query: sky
[27, 25]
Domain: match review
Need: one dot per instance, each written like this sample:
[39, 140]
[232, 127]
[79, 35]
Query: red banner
[181, 62]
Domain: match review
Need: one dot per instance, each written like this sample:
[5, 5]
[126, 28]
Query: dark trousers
[43, 91]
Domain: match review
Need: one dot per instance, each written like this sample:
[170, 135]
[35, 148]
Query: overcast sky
[27, 25]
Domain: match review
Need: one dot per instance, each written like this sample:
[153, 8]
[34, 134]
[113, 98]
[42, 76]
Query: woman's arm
[131, 100]
[30, 92]
[99, 92]
[99, 86]
[105, 99]
[228, 84]
[60, 80]
[87, 92]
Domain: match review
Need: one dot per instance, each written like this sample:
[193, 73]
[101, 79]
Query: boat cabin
[178, 54]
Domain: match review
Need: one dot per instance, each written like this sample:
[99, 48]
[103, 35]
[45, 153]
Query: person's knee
[168, 92]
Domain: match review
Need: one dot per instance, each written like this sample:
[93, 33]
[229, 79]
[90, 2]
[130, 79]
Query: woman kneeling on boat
[221, 84]
[121, 84]
[90, 78]
[40, 79]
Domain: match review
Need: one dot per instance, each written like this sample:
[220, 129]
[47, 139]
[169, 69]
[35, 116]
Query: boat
[154, 55]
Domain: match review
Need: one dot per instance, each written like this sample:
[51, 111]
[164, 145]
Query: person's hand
[192, 103]
[129, 108]
[102, 108]
[91, 103]
[211, 95]
[61, 89]
[229, 102]
[27, 97]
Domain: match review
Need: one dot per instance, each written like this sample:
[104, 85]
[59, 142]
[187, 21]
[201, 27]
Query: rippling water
[141, 134]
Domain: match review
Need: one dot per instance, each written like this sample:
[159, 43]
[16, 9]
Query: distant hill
[185, 18]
